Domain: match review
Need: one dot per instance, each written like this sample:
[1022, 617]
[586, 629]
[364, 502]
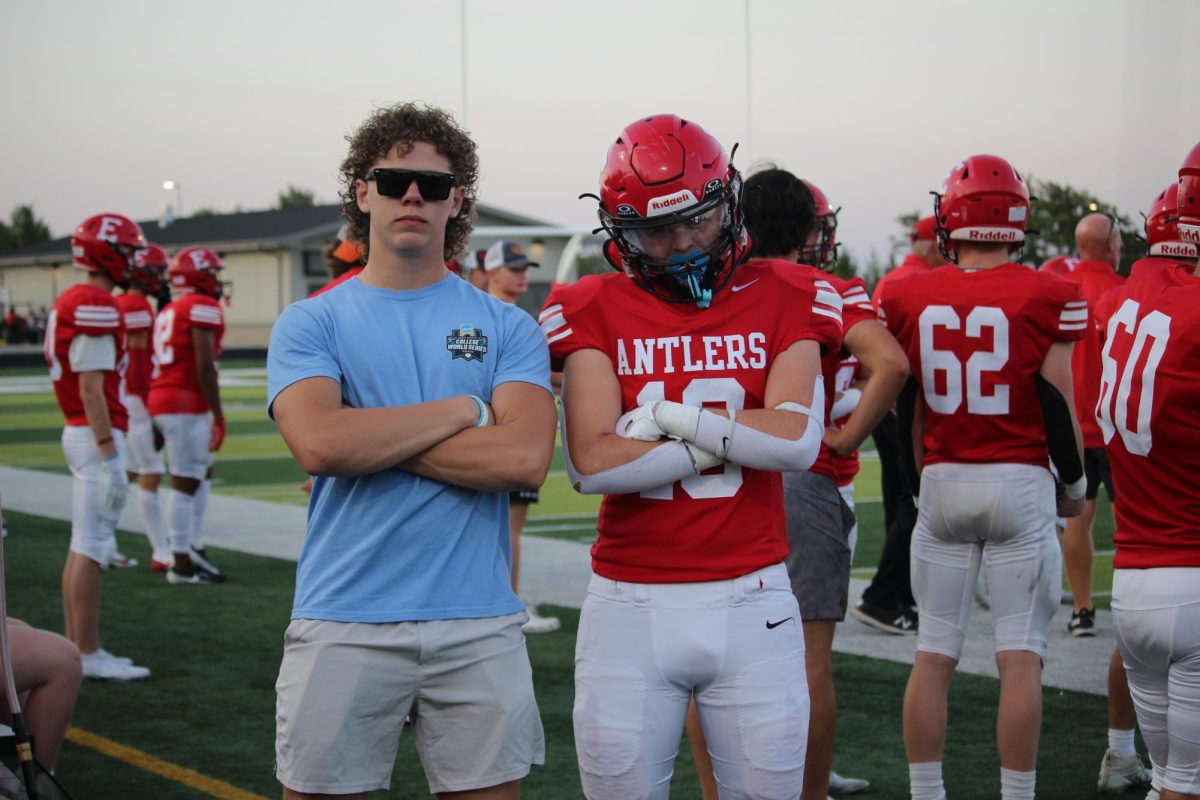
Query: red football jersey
[175, 388]
[845, 467]
[976, 339]
[856, 307]
[1097, 279]
[338, 281]
[1149, 410]
[85, 310]
[911, 264]
[138, 317]
[728, 521]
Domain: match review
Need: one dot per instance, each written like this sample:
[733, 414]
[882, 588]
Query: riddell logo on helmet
[1189, 233]
[665, 205]
[993, 235]
[1178, 249]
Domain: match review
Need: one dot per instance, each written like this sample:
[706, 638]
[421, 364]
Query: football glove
[114, 485]
[639, 424]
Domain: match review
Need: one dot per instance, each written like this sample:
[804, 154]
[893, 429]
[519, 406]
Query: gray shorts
[818, 561]
[344, 690]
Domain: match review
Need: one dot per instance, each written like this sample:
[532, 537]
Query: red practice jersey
[1096, 278]
[138, 317]
[85, 310]
[338, 281]
[728, 521]
[1149, 412]
[175, 388]
[975, 340]
[856, 308]
[912, 264]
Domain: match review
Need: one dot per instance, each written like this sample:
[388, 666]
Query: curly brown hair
[404, 124]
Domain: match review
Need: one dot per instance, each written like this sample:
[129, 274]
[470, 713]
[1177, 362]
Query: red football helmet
[1187, 197]
[825, 251]
[194, 269]
[670, 199]
[149, 269]
[106, 244]
[984, 200]
[1162, 227]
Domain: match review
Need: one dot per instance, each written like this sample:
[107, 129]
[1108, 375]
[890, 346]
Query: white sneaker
[110, 656]
[1118, 774]
[104, 666]
[839, 785]
[539, 624]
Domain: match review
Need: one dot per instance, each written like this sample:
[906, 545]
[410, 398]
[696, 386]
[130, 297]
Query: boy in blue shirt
[418, 402]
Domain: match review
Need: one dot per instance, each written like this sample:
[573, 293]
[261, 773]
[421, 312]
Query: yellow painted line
[147, 762]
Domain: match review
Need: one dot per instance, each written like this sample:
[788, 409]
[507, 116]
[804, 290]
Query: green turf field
[210, 704]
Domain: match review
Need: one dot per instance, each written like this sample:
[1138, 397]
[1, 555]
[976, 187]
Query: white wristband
[1077, 489]
[483, 412]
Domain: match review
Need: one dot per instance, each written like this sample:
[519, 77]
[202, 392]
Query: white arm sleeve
[93, 353]
[661, 466]
[752, 448]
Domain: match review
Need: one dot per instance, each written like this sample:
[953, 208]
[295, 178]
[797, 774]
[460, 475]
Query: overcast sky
[873, 100]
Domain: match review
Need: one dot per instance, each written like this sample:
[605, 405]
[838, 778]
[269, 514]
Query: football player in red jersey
[1098, 241]
[183, 393]
[1149, 414]
[990, 342]
[143, 462]
[85, 343]
[685, 392]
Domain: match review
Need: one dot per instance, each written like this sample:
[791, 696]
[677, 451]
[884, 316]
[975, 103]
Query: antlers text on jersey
[669, 354]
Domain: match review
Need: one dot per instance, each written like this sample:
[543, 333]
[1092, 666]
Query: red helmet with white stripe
[1162, 227]
[984, 200]
[1059, 265]
[1187, 197]
[825, 251]
[149, 269]
[670, 199]
[106, 244]
[195, 269]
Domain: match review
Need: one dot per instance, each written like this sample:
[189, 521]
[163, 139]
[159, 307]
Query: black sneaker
[901, 620]
[1083, 623]
[199, 557]
[194, 574]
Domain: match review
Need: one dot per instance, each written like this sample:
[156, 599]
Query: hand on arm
[512, 452]
[329, 439]
[204, 346]
[784, 435]
[887, 368]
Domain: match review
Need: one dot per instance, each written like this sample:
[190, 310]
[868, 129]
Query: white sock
[1121, 742]
[180, 514]
[1016, 785]
[925, 780]
[200, 499]
[152, 520]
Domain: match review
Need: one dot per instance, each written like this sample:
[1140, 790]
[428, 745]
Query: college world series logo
[467, 343]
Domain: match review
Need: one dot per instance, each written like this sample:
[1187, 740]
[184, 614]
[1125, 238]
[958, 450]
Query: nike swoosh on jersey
[744, 285]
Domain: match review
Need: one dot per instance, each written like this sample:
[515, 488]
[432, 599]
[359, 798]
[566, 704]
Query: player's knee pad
[943, 584]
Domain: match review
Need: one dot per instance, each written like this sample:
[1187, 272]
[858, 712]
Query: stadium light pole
[749, 115]
[175, 187]
[462, 46]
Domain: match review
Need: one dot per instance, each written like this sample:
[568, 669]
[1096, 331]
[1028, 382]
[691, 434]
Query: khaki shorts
[344, 690]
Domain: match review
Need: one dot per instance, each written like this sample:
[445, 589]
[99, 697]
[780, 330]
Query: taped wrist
[846, 403]
[1060, 433]
[1076, 490]
[677, 419]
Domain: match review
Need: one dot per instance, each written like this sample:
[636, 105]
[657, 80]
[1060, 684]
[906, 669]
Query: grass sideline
[209, 705]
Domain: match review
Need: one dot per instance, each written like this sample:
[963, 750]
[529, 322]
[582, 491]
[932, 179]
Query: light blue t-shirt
[392, 546]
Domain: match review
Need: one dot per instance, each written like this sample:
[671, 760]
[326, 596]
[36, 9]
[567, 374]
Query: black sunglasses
[395, 182]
